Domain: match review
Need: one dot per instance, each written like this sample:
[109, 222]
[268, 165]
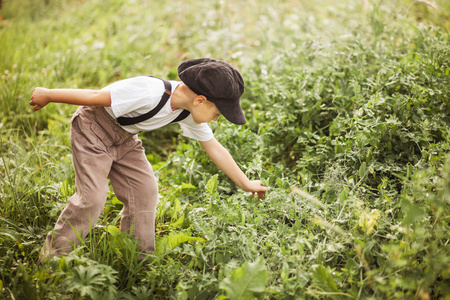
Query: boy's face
[204, 111]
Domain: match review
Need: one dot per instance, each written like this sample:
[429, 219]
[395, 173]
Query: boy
[105, 144]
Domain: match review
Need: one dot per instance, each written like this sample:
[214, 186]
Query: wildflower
[367, 221]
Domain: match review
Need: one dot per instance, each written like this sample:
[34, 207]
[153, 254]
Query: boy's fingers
[259, 194]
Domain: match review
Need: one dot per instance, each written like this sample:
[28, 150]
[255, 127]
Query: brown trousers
[101, 150]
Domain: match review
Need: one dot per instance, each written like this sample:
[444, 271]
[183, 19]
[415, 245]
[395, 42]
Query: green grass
[348, 112]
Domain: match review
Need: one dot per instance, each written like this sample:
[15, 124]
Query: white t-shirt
[139, 95]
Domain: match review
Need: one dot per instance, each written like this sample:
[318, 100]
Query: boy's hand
[255, 186]
[39, 98]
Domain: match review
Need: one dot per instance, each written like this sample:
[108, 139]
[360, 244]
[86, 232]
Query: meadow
[348, 109]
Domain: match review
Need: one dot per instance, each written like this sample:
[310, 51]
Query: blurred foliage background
[348, 111]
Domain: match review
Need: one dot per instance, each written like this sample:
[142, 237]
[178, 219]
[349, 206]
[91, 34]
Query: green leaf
[176, 209]
[39, 275]
[323, 279]
[65, 188]
[413, 213]
[168, 242]
[211, 185]
[15, 236]
[178, 223]
[243, 282]
[362, 170]
[94, 280]
[116, 201]
[113, 230]
[185, 186]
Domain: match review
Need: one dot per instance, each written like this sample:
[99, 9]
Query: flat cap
[219, 82]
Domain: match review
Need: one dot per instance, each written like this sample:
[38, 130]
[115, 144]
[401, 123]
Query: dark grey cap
[219, 82]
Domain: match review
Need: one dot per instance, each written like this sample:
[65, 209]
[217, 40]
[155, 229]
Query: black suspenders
[134, 120]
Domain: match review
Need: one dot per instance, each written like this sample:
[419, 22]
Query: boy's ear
[199, 99]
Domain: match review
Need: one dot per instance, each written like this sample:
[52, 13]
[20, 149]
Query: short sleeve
[200, 132]
[131, 96]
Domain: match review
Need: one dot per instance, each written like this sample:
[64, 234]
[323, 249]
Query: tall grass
[347, 106]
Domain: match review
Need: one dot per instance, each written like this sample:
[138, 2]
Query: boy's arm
[223, 159]
[42, 96]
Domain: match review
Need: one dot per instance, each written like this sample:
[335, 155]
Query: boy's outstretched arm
[223, 159]
[42, 96]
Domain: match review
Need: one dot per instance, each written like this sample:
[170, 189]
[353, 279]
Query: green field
[348, 108]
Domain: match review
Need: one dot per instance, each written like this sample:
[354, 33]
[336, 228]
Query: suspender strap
[134, 120]
[184, 114]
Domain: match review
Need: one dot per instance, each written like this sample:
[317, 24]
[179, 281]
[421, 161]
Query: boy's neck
[181, 97]
[172, 106]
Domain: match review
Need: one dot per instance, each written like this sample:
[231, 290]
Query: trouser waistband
[109, 125]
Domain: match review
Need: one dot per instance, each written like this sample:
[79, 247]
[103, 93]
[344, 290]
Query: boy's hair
[219, 82]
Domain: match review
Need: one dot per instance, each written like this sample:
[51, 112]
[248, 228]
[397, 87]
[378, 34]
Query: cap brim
[231, 111]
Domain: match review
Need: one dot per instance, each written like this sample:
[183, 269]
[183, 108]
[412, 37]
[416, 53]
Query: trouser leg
[91, 187]
[135, 185]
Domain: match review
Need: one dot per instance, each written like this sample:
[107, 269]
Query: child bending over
[105, 144]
